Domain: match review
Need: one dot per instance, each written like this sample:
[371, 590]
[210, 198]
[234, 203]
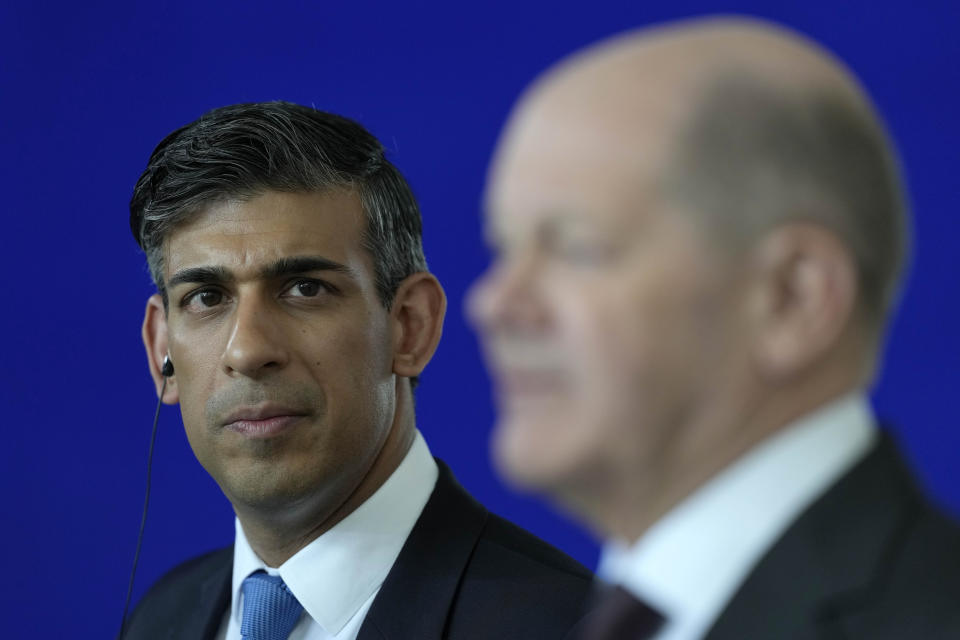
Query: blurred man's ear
[419, 306]
[804, 298]
[154, 334]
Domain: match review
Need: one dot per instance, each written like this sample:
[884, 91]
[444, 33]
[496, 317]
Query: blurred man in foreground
[700, 232]
[293, 316]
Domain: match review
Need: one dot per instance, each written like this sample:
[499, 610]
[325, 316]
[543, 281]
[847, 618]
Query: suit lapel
[418, 593]
[825, 566]
[213, 597]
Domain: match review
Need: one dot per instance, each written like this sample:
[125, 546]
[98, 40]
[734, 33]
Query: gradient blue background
[89, 88]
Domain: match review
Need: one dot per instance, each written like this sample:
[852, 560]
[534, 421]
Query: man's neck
[633, 505]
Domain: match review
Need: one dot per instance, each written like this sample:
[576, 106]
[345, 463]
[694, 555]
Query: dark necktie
[618, 615]
[270, 611]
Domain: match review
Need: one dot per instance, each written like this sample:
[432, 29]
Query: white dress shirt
[691, 562]
[337, 576]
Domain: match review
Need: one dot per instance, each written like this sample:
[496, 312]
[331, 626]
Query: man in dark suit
[699, 233]
[294, 313]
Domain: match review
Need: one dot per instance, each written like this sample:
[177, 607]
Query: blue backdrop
[88, 88]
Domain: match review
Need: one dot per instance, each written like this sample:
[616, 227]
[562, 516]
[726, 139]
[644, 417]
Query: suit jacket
[870, 559]
[463, 574]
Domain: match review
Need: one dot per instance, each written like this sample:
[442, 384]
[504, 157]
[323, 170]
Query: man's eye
[578, 249]
[306, 289]
[584, 253]
[203, 299]
[210, 298]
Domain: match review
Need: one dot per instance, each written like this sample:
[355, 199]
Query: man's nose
[506, 296]
[256, 345]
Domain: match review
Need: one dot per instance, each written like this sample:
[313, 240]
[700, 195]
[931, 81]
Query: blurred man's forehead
[604, 132]
[562, 164]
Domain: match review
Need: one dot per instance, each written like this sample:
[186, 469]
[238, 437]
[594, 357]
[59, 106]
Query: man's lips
[262, 421]
[530, 382]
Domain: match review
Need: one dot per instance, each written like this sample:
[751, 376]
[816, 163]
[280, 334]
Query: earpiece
[167, 370]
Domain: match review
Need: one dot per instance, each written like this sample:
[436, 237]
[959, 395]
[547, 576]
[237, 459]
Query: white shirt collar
[692, 561]
[333, 576]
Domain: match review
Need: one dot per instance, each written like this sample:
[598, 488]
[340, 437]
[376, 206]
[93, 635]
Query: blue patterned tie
[270, 611]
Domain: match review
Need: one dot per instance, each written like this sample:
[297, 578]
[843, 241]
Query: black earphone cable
[143, 519]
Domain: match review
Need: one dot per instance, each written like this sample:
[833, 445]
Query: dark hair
[243, 150]
[754, 156]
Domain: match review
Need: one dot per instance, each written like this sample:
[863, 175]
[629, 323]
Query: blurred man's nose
[506, 296]
[256, 345]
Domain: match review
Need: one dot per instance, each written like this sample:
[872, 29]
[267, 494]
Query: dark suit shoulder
[195, 591]
[871, 558]
[466, 574]
[518, 586]
[917, 593]
[510, 539]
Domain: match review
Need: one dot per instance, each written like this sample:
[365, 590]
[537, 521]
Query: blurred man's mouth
[524, 382]
[526, 369]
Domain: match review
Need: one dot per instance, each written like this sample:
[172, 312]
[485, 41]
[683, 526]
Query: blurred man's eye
[571, 243]
[582, 252]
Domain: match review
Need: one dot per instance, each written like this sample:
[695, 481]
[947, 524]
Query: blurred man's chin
[527, 457]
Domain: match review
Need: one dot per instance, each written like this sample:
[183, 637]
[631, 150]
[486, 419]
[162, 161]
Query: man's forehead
[595, 128]
[251, 233]
[616, 105]
[571, 167]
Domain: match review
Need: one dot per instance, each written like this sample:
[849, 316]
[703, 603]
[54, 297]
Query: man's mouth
[524, 382]
[262, 421]
[526, 368]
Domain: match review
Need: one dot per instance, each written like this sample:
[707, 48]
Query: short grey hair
[755, 156]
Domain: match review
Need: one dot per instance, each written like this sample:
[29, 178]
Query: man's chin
[528, 457]
[273, 489]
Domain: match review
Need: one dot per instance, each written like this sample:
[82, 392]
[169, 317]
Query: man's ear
[804, 298]
[154, 333]
[419, 306]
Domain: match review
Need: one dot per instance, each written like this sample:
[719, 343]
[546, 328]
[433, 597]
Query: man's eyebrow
[277, 269]
[200, 275]
[303, 264]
